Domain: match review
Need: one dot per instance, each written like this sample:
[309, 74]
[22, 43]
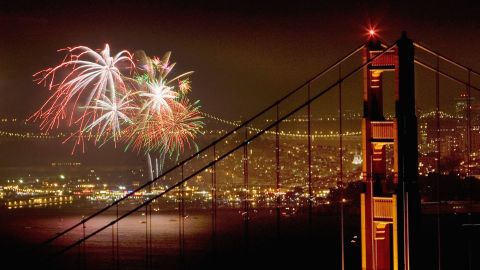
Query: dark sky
[245, 54]
[242, 52]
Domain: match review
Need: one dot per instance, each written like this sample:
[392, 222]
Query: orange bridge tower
[389, 199]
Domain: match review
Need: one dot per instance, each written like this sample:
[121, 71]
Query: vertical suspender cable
[214, 201]
[277, 170]
[181, 217]
[84, 263]
[146, 236]
[183, 214]
[150, 246]
[245, 187]
[118, 244]
[79, 257]
[117, 247]
[113, 246]
[437, 101]
[340, 136]
[309, 151]
[469, 152]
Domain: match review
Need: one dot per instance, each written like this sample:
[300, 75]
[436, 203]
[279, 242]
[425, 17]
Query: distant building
[453, 136]
[461, 105]
[448, 134]
[357, 159]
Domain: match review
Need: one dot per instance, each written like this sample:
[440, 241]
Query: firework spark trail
[160, 97]
[127, 98]
[90, 72]
[168, 133]
[114, 112]
[184, 86]
[182, 126]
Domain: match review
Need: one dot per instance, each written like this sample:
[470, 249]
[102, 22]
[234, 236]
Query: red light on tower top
[372, 34]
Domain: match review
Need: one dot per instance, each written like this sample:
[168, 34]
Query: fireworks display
[127, 98]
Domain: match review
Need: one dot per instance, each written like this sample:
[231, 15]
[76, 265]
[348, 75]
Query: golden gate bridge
[388, 208]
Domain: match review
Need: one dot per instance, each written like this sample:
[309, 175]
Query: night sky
[242, 52]
[245, 54]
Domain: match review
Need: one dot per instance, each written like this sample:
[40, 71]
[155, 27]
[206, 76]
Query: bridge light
[371, 31]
